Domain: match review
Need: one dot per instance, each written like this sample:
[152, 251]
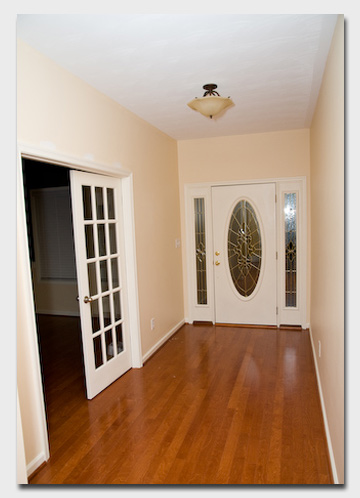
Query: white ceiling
[270, 65]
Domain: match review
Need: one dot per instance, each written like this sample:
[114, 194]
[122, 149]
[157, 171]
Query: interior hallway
[215, 405]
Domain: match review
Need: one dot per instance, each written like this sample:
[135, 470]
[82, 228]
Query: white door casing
[101, 274]
[258, 307]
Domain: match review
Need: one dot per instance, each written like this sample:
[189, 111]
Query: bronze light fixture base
[210, 89]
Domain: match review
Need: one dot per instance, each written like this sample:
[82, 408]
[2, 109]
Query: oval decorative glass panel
[244, 248]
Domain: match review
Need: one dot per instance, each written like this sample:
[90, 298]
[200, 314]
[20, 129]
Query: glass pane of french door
[103, 270]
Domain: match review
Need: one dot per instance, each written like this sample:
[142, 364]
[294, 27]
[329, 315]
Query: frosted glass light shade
[210, 105]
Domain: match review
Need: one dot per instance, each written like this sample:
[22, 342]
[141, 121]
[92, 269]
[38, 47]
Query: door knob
[217, 263]
[88, 299]
[217, 253]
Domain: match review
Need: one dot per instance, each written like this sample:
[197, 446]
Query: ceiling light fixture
[210, 103]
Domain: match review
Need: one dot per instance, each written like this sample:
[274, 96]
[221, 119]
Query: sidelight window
[290, 249]
[200, 250]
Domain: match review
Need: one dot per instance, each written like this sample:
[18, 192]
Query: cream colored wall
[327, 234]
[56, 108]
[243, 157]
[55, 298]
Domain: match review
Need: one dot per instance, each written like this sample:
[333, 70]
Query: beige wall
[56, 107]
[243, 157]
[57, 298]
[327, 235]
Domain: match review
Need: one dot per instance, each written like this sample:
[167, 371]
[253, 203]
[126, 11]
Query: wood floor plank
[215, 405]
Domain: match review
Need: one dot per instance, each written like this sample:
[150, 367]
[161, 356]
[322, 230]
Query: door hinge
[277, 310]
[277, 255]
[275, 198]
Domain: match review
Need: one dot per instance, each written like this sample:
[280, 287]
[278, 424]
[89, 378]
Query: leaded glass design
[200, 250]
[244, 248]
[290, 249]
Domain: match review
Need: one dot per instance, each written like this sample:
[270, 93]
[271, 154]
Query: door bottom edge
[246, 325]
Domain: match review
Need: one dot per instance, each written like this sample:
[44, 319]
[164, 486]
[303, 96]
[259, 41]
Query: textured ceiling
[270, 65]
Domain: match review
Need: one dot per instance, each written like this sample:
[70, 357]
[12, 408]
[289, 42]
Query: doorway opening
[30, 378]
[53, 271]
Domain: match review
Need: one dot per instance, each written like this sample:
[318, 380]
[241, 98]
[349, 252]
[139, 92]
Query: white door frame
[24, 281]
[206, 312]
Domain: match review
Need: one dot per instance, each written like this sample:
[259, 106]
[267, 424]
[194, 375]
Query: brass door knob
[217, 253]
[217, 263]
[88, 299]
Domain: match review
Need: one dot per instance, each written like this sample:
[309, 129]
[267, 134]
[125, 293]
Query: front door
[98, 236]
[244, 231]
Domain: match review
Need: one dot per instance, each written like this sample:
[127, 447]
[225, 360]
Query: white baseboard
[327, 431]
[35, 463]
[166, 337]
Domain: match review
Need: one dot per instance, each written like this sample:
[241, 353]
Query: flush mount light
[210, 103]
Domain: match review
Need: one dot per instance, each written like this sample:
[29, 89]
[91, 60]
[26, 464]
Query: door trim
[197, 312]
[24, 280]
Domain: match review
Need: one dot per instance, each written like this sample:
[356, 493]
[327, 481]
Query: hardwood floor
[215, 405]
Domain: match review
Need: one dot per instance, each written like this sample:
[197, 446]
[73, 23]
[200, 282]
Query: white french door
[244, 234]
[100, 261]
